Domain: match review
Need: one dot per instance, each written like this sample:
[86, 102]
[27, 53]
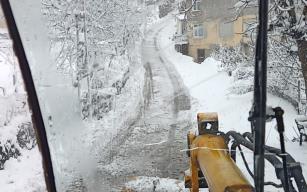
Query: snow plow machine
[213, 164]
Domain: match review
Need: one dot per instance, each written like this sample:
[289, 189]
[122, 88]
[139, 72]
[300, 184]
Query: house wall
[211, 14]
[213, 38]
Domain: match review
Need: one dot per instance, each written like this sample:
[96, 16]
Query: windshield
[120, 84]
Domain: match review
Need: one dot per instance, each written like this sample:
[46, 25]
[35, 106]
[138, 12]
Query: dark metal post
[258, 111]
[279, 112]
[32, 96]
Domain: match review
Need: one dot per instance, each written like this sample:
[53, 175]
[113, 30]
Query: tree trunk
[302, 54]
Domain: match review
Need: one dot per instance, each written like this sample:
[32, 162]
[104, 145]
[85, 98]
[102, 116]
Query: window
[196, 5]
[198, 30]
[226, 29]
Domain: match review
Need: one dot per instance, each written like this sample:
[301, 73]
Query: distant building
[2, 20]
[207, 24]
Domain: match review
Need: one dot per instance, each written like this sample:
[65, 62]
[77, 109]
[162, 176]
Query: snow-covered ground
[146, 184]
[210, 89]
[23, 174]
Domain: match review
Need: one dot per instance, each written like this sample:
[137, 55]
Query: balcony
[180, 39]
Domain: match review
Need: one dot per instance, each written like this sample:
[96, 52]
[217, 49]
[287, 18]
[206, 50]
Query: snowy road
[151, 146]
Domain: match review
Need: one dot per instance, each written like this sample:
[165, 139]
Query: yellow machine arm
[209, 158]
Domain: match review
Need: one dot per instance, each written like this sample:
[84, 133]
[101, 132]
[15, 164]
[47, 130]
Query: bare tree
[89, 38]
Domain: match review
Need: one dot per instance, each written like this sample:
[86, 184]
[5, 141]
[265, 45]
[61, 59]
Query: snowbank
[145, 184]
[156, 184]
[23, 174]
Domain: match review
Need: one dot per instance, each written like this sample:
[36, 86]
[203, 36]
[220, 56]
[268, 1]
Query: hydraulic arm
[210, 163]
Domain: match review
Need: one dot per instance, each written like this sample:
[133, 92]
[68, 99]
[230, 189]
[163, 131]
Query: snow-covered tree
[287, 43]
[284, 71]
[91, 41]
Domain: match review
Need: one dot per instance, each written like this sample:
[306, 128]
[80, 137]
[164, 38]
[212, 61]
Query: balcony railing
[180, 39]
